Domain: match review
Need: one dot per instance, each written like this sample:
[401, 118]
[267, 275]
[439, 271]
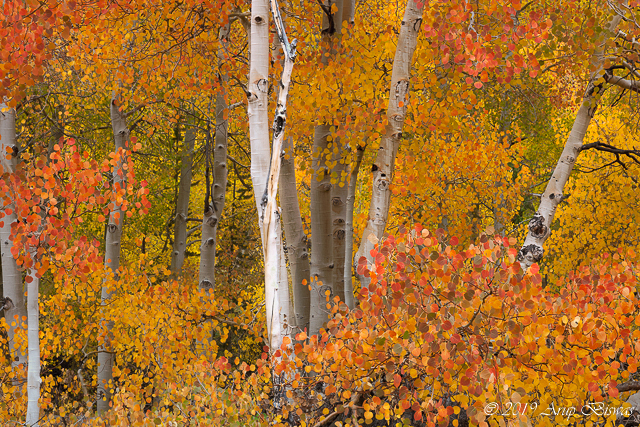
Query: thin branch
[633, 154]
[237, 162]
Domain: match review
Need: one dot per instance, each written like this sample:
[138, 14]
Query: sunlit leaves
[447, 321]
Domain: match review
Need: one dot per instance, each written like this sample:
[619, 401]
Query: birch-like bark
[258, 113]
[339, 194]
[383, 167]
[296, 238]
[348, 249]
[321, 233]
[33, 313]
[349, 11]
[283, 277]
[214, 207]
[33, 336]
[112, 258]
[15, 313]
[632, 85]
[271, 213]
[265, 166]
[182, 205]
[532, 249]
[322, 250]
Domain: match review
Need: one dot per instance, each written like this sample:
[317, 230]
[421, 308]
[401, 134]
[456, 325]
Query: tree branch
[629, 386]
[329, 418]
[607, 148]
[327, 11]
[632, 85]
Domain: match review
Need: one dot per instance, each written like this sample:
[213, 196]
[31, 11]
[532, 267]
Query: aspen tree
[323, 252]
[265, 163]
[33, 336]
[215, 193]
[383, 167]
[15, 312]
[182, 204]
[112, 255]
[532, 249]
[348, 249]
[296, 238]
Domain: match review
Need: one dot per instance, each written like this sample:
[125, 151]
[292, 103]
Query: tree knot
[537, 227]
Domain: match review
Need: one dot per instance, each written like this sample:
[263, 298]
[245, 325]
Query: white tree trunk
[532, 249]
[112, 259]
[339, 194]
[11, 276]
[384, 165]
[258, 113]
[348, 249]
[213, 209]
[182, 204]
[33, 370]
[323, 264]
[295, 237]
[265, 166]
[33, 313]
[321, 232]
[349, 11]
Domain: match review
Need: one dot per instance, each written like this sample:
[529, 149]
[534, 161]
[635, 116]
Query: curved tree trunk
[383, 167]
[265, 166]
[539, 226]
[15, 312]
[295, 237]
[112, 257]
[182, 205]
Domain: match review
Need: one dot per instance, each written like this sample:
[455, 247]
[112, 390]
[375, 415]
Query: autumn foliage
[447, 327]
[442, 333]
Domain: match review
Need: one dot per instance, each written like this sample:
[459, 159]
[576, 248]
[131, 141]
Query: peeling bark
[532, 250]
[348, 250]
[182, 205]
[296, 239]
[257, 111]
[277, 300]
[265, 166]
[112, 257]
[16, 314]
[384, 165]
